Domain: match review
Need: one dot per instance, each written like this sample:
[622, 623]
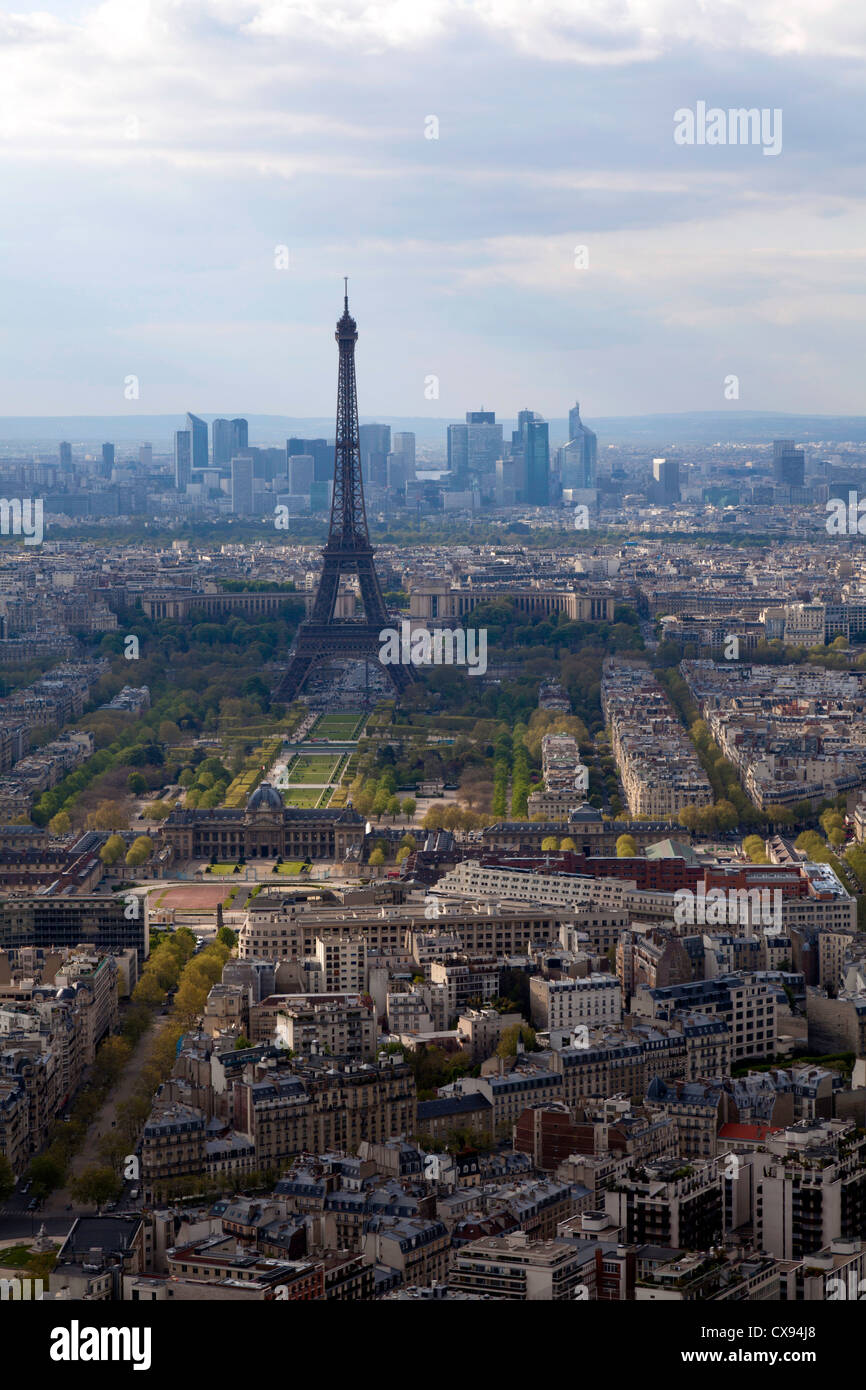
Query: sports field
[195, 895]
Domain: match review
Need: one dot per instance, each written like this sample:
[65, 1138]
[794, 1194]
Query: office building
[221, 431]
[301, 473]
[320, 495]
[321, 451]
[46, 920]
[242, 486]
[66, 457]
[375, 441]
[182, 459]
[473, 449]
[578, 459]
[197, 430]
[666, 481]
[145, 456]
[403, 445]
[789, 464]
[531, 445]
[107, 460]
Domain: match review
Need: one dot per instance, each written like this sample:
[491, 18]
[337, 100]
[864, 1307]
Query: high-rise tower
[347, 550]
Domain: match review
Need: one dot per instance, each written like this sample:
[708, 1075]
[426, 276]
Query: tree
[109, 815]
[507, 1046]
[549, 844]
[377, 859]
[409, 807]
[112, 850]
[60, 824]
[139, 851]
[626, 847]
[403, 853]
[112, 1057]
[393, 806]
[568, 844]
[45, 1173]
[136, 783]
[97, 1184]
[227, 937]
[148, 990]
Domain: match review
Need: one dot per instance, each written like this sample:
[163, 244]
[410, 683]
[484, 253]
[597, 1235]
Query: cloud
[154, 154]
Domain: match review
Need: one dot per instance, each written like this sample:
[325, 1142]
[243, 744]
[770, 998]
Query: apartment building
[564, 1004]
[516, 1268]
[748, 1008]
[814, 1188]
[659, 767]
[669, 1204]
[340, 1027]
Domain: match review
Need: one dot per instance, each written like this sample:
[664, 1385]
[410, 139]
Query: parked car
[32, 1204]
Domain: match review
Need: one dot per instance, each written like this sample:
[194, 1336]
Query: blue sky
[155, 154]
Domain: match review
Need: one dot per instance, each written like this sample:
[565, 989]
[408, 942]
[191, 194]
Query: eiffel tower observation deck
[322, 636]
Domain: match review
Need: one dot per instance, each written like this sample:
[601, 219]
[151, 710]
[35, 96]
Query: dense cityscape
[432, 844]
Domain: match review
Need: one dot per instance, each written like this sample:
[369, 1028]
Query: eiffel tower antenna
[347, 551]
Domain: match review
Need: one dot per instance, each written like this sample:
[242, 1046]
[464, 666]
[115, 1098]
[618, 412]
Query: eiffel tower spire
[347, 549]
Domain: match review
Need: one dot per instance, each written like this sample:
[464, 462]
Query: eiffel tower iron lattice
[323, 636]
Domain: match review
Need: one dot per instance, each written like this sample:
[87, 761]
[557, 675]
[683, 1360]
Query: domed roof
[265, 798]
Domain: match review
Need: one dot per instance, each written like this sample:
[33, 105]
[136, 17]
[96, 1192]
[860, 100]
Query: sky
[186, 182]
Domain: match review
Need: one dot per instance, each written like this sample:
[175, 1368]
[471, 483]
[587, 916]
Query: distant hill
[656, 432]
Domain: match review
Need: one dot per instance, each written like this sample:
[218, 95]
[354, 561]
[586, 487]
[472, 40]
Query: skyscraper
[375, 448]
[65, 457]
[240, 435]
[578, 459]
[404, 445]
[242, 486]
[321, 451]
[789, 464]
[182, 459]
[145, 455]
[107, 460]
[531, 445]
[473, 448]
[302, 471]
[221, 434]
[197, 430]
[666, 480]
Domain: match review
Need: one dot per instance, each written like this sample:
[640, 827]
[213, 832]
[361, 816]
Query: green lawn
[294, 867]
[223, 868]
[317, 768]
[343, 724]
[302, 796]
[38, 1266]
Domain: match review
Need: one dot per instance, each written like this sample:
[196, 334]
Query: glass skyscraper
[197, 430]
[580, 455]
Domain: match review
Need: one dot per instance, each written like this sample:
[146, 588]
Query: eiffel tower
[347, 551]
